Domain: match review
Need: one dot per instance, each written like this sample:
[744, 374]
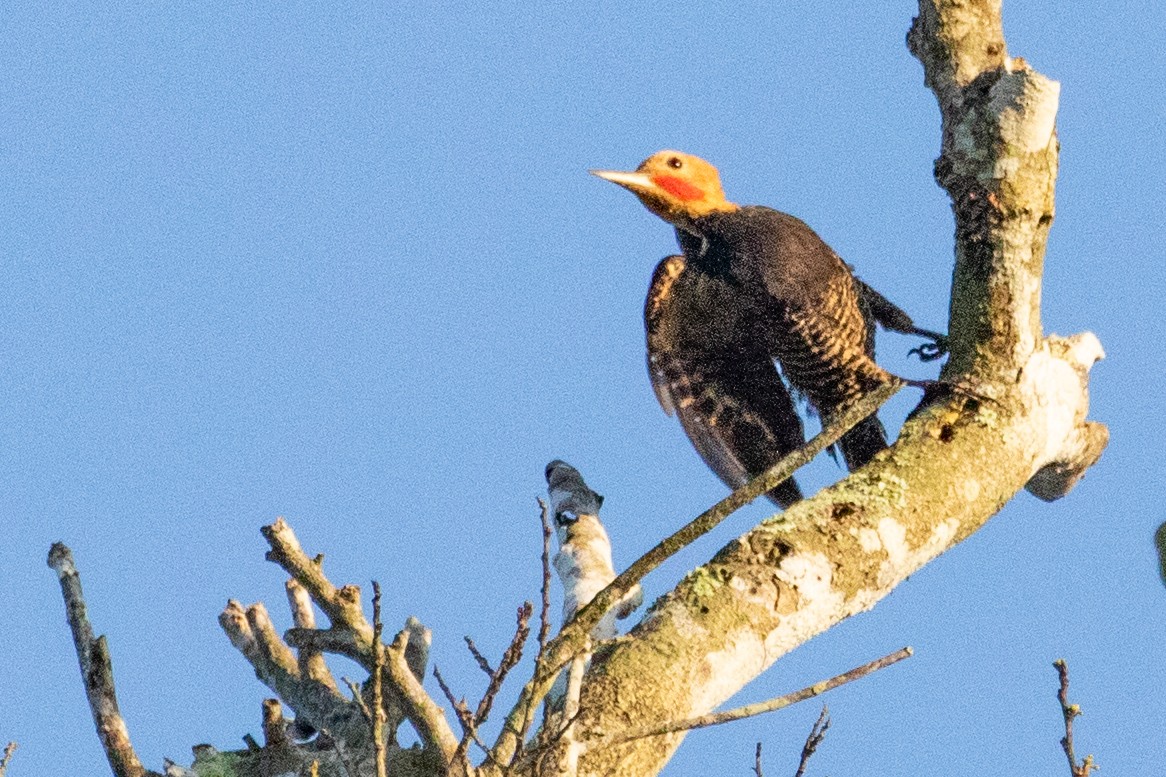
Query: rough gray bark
[956, 463]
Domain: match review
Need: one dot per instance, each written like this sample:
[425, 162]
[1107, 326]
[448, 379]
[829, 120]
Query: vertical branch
[311, 662]
[544, 622]
[96, 670]
[378, 696]
[572, 748]
[1069, 712]
[815, 737]
[999, 166]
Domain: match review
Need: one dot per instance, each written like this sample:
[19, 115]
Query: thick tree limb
[96, 670]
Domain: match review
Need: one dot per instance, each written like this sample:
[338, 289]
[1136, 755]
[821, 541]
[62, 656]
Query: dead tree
[627, 702]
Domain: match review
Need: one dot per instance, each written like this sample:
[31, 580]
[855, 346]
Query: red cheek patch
[678, 188]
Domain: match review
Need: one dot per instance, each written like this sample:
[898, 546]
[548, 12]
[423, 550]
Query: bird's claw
[929, 352]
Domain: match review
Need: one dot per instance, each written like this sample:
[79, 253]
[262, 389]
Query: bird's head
[676, 187]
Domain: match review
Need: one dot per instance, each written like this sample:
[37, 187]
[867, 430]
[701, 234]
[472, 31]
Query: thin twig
[378, 696]
[1070, 711]
[751, 710]
[518, 756]
[1160, 545]
[466, 718]
[458, 704]
[757, 762]
[532, 759]
[96, 670]
[544, 621]
[817, 734]
[544, 630]
[591, 614]
[483, 664]
[509, 660]
[8, 751]
[358, 698]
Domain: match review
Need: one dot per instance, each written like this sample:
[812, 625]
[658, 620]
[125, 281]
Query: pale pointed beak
[633, 181]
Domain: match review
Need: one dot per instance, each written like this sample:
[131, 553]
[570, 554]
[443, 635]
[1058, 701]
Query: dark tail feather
[862, 442]
[785, 493]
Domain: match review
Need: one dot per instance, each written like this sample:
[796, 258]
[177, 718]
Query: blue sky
[345, 265]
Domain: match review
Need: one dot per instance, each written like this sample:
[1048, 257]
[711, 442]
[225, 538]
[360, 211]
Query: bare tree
[626, 703]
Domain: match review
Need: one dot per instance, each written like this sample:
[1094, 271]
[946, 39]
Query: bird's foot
[929, 352]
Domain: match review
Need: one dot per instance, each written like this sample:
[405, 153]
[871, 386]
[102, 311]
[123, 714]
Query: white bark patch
[942, 536]
[1025, 103]
[1083, 349]
[1054, 385]
[811, 576]
[893, 536]
[902, 559]
[868, 539]
[971, 489]
[728, 670]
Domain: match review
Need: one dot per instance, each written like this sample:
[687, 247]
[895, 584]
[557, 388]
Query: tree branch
[96, 670]
[311, 662]
[378, 717]
[999, 165]
[341, 605]
[251, 632]
[813, 739]
[1069, 712]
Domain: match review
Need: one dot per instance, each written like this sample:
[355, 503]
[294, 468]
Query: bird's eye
[675, 163]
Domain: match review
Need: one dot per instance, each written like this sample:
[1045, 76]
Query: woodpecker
[753, 285]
